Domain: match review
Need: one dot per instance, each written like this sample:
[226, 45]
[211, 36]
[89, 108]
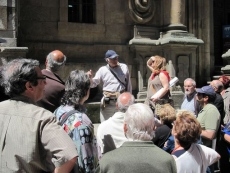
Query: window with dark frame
[81, 11]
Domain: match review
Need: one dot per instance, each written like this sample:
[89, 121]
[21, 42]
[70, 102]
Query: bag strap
[59, 81]
[116, 77]
[66, 116]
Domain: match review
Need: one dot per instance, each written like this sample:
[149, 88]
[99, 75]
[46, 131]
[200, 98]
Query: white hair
[191, 80]
[124, 101]
[53, 65]
[140, 122]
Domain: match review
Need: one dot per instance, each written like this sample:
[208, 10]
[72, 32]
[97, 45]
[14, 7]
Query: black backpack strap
[116, 77]
[66, 116]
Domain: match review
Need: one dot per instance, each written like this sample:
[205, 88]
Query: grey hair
[16, 73]
[123, 106]
[52, 64]
[76, 87]
[140, 122]
[191, 80]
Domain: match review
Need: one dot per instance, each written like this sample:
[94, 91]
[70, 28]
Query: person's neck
[48, 69]
[204, 104]
[113, 66]
[177, 147]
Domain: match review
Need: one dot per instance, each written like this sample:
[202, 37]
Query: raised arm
[149, 62]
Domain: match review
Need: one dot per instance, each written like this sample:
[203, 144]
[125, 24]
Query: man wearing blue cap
[115, 78]
[209, 116]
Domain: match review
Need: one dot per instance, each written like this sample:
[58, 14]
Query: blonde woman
[167, 115]
[158, 83]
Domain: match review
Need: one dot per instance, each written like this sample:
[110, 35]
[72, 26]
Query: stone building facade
[180, 30]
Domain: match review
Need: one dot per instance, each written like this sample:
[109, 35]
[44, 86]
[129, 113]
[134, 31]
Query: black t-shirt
[162, 133]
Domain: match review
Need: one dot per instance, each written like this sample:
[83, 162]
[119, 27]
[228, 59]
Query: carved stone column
[226, 56]
[177, 17]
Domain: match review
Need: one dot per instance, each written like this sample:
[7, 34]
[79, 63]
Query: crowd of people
[44, 125]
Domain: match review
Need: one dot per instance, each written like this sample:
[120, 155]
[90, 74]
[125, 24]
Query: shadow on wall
[95, 95]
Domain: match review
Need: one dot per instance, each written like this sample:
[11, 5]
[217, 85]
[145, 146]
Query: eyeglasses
[41, 77]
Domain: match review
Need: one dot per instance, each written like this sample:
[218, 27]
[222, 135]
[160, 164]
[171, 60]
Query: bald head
[55, 60]
[58, 56]
[124, 101]
[217, 85]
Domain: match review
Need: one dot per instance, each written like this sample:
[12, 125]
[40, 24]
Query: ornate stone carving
[141, 11]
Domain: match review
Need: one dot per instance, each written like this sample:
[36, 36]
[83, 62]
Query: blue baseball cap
[208, 90]
[111, 54]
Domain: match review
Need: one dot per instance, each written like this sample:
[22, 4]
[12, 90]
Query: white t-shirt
[110, 83]
[196, 159]
[114, 127]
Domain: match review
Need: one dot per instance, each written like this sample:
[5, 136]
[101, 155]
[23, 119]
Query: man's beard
[188, 92]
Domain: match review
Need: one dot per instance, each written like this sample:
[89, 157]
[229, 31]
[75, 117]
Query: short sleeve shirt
[31, 139]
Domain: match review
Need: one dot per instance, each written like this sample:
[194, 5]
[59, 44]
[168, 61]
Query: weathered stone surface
[9, 53]
[141, 11]
[10, 42]
[8, 34]
[93, 111]
[3, 18]
[226, 55]
[180, 38]
[3, 3]
[39, 14]
[11, 24]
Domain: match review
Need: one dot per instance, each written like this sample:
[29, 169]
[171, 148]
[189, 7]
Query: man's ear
[206, 98]
[28, 86]
[106, 59]
[125, 128]
[46, 62]
[116, 105]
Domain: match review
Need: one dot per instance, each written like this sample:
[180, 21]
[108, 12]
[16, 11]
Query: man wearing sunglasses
[209, 116]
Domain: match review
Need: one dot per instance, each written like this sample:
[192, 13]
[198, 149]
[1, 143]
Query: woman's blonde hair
[160, 63]
[167, 114]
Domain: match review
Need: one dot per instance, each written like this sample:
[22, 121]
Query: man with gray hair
[138, 154]
[31, 138]
[189, 102]
[110, 133]
[55, 86]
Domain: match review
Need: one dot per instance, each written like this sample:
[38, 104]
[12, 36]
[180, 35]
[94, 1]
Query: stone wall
[43, 27]
[221, 17]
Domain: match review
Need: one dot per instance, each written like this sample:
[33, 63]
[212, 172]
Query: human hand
[89, 73]
[150, 61]
[154, 99]
[149, 64]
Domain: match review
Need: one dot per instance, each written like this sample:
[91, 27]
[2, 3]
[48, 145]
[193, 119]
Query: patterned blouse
[80, 128]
